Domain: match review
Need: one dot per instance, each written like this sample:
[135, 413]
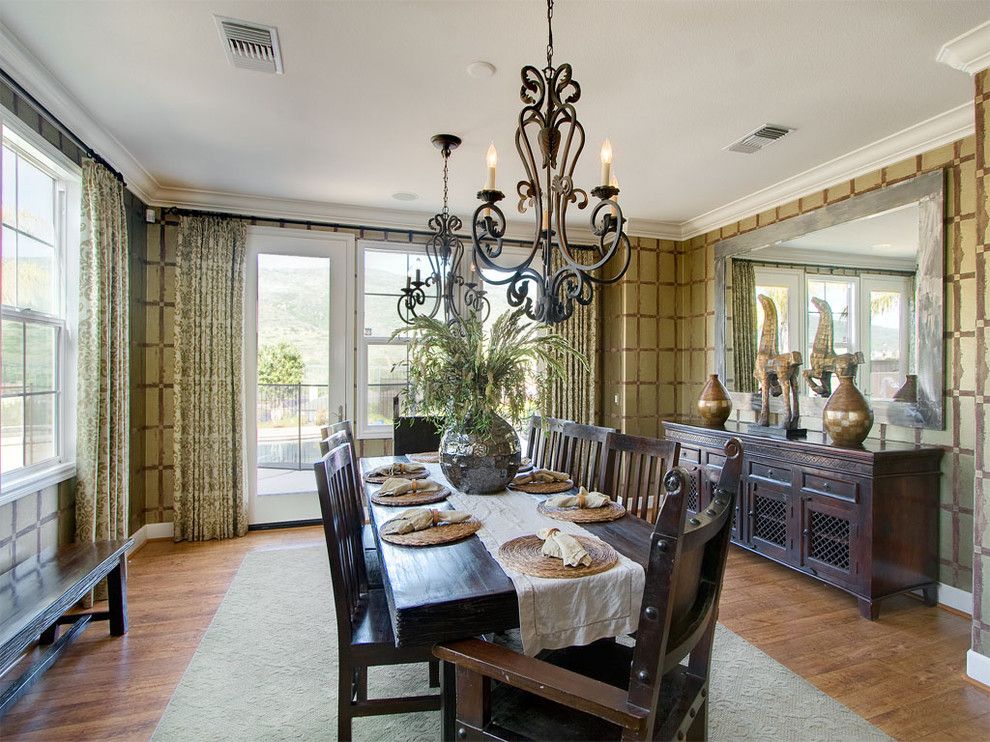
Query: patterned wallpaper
[639, 341]
[979, 315]
[696, 324]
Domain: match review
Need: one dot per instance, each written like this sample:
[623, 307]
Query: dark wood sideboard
[864, 520]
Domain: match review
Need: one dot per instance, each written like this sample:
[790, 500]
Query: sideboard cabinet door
[768, 521]
[830, 540]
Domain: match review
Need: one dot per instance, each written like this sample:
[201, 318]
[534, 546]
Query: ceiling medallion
[446, 286]
[549, 140]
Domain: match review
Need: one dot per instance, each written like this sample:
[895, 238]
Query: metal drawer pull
[769, 472]
[827, 487]
[805, 531]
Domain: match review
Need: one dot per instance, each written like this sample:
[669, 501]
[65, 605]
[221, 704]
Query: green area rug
[266, 670]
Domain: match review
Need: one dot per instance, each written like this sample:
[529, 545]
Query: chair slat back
[344, 426]
[336, 482]
[634, 472]
[683, 583]
[581, 452]
[546, 442]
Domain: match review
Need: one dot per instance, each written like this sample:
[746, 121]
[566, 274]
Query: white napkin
[419, 519]
[388, 470]
[563, 546]
[541, 475]
[583, 499]
[402, 486]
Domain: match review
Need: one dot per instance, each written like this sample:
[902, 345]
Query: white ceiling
[888, 234]
[367, 83]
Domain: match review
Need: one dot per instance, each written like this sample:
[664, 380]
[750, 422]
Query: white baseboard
[955, 598]
[151, 531]
[978, 667]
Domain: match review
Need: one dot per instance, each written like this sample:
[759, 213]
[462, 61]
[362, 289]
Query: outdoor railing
[289, 418]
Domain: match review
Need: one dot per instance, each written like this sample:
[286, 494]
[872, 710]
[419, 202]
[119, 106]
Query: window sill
[16, 487]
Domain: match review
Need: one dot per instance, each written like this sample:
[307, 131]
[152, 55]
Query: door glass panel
[886, 342]
[293, 370]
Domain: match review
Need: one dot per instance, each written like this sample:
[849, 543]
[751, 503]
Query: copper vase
[714, 405]
[847, 418]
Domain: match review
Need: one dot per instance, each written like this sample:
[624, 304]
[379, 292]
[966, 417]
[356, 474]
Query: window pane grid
[33, 328]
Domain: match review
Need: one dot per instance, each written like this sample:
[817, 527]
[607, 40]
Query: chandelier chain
[446, 160]
[549, 34]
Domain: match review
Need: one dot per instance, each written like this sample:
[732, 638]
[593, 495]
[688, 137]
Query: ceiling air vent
[765, 135]
[250, 46]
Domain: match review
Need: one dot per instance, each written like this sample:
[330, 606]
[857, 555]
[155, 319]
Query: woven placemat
[543, 488]
[446, 534]
[429, 457]
[523, 555]
[410, 498]
[612, 511]
[408, 475]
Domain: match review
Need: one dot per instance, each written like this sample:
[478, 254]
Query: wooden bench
[35, 596]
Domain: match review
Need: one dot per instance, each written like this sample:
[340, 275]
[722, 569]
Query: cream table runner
[554, 613]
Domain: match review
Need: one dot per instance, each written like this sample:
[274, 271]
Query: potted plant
[474, 380]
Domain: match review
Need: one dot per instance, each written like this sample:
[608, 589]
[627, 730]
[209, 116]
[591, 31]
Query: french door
[298, 363]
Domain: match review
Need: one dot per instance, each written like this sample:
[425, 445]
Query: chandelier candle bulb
[606, 162]
[491, 159]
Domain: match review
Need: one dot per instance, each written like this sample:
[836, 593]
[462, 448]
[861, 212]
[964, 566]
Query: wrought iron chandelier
[549, 120]
[445, 287]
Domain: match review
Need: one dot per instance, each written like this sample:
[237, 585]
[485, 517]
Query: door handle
[340, 413]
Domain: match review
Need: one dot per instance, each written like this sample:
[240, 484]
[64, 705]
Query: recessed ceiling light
[481, 70]
[405, 196]
[882, 246]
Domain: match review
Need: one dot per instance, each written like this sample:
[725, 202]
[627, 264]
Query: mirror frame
[928, 190]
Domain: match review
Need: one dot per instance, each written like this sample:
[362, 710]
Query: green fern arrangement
[460, 374]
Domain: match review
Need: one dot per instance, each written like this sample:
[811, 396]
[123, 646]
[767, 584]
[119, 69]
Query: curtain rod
[178, 211]
[63, 129]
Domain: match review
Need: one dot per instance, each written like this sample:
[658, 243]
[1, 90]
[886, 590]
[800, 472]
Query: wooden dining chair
[364, 627]
[544, 441]
[414, 434]
[608, 689]
[581, 452]
[372, 561]
[634, 471]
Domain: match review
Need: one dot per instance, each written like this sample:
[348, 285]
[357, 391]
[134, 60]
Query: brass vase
[714, 404]
[847, 418]
[908, 391]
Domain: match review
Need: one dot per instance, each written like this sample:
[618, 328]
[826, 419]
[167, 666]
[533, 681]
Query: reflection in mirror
[857, 287]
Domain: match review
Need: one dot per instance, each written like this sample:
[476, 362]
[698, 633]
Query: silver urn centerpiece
[480, 462]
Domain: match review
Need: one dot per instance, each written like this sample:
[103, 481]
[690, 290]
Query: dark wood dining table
[440, 593]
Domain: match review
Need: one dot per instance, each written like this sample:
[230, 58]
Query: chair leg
[434, 673]
[345, 694]
[448, 702]
[698, 731]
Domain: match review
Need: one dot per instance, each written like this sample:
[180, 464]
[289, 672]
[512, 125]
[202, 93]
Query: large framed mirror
[856, 285]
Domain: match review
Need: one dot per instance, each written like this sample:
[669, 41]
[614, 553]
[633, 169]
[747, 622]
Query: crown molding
[944, 128]
[969, 52]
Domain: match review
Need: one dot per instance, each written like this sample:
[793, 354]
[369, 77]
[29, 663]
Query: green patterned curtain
[102, 422]
[743, 325]
[209, 394]
[578, 398]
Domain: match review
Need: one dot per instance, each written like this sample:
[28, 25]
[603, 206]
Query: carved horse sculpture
[776, 372]
[824, 361]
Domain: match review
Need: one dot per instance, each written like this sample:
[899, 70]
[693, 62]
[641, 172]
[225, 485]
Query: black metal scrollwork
[549, 140]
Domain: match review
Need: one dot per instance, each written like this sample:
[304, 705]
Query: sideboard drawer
[813, 484]
[772, 473]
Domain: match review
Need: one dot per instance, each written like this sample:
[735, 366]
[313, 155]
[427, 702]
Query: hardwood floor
[905, 673]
